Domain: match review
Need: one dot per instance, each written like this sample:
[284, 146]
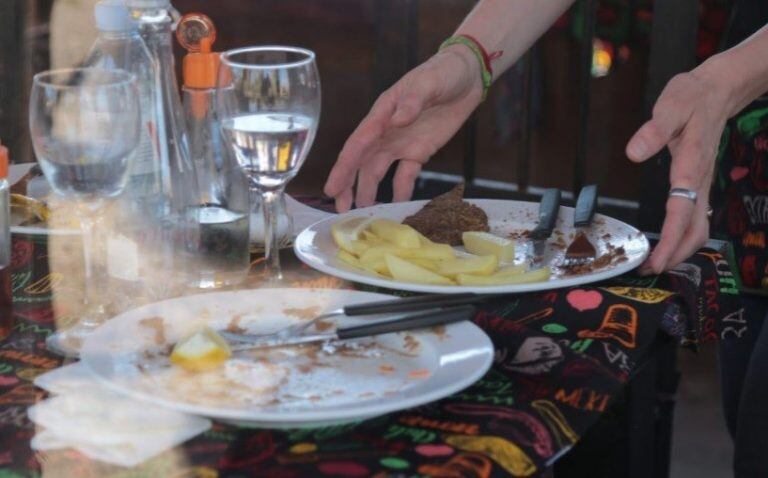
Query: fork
[389, 306]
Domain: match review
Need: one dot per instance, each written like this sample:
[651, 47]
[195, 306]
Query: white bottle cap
[149, 3]
[113, 16]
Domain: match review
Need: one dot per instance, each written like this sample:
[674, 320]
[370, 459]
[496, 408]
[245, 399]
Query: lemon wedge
[348, 230]
[30, 206]
[203, 350]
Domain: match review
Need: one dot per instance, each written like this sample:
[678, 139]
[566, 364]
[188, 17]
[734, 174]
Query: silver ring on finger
[684, 193]
[710, 211]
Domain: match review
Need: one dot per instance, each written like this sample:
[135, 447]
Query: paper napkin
[104, 425]
[303, 215]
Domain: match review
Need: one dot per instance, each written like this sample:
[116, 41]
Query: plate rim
[303, 239]
[297, 417]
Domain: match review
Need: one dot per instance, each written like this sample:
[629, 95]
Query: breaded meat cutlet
[445, 217]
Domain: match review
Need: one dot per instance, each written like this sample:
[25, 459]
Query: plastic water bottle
[138, 243]
[119, 46]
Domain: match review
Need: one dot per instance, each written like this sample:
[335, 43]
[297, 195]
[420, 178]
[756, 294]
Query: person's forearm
[741, 72]
[511, 26]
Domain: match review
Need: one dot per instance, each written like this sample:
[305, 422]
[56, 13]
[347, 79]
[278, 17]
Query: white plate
[316, 247]
[391, 376]
[16, 172]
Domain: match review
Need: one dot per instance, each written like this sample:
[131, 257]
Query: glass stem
[94, 308]
[270, 203]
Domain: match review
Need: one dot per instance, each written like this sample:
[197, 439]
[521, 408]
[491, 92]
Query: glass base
[68, 343]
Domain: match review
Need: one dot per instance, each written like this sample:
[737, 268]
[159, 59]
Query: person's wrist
[468, 66]
[725, 81]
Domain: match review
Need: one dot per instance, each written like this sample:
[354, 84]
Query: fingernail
[637, 149]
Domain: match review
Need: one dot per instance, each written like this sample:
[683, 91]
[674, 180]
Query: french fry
[428, 264]
[435, 252]
[480, 265]
[359, 246]
[347, 230]
[484, 243]
[377, 253]
[350, 259]
[537, 275]
[511, 270]
[396, 233]
[424, 240]
[378, 266]
[372, 238]
[403, 270]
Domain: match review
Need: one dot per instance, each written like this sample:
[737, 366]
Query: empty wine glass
[84, 124]
[269, 105]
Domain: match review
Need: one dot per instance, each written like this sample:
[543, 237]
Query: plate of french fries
[372, 246]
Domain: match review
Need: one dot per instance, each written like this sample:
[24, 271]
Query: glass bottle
[156, 23]
[223, 258]
[6, 298]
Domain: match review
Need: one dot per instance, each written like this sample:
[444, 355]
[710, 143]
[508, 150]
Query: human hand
[408, 123]
[688, 118]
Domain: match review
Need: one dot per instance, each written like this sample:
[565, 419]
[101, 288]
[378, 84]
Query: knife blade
[548, 211]
[416, 321]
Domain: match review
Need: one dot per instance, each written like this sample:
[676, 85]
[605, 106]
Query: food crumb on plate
[157, 325]
[419, 373]
[234, 325]
[305, 313]
[385, 368]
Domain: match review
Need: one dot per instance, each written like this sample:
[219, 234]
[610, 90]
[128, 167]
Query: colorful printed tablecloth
[561, 359]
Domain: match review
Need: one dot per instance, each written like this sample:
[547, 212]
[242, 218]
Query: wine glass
[84, 124]
[269, 104]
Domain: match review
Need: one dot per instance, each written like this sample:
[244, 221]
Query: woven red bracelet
[483, 58]
[483, 51]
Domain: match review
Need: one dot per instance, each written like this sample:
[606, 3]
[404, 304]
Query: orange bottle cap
[3, 162]
[197, 33]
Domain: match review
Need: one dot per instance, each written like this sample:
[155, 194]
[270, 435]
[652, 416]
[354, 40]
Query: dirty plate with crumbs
[299, 386]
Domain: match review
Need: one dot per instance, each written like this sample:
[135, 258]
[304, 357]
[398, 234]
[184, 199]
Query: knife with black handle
[548, 211]
[415, 321]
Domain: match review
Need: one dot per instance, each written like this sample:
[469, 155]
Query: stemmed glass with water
[84, 125]
[269, 105]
